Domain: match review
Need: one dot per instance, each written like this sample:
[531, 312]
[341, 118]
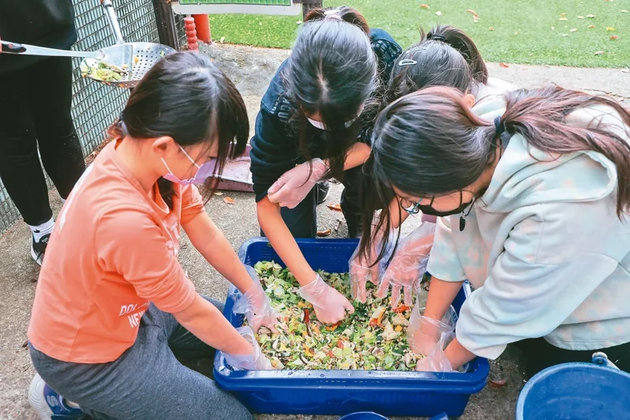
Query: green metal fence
[95, 105]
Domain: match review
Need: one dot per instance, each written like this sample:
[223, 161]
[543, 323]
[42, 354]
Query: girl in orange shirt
[114, 309]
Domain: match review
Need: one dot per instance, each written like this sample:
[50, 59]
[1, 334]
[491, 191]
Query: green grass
[512, 31]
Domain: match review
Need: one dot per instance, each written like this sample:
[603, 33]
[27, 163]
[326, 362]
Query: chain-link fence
[95, 105]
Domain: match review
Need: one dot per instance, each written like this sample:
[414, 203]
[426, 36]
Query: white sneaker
[50, 405]
[38, 248]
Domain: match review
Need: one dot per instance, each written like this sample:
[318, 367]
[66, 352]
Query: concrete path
[251, 69]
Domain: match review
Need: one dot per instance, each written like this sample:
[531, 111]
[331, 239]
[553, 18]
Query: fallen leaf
[222, 39]
[626, 70]
[219, 194]
[599, 52]
[623, 11]
[491, 28]
[565, 34]
[472, 12]
[438, 13]
[425, 6]
[334, 207]
[497, 384]
[552, 28]
[591, 26]
[573, 30]
[475, 19]
[590, 16]
[505, 66]
[228, 200]
[563, 19]
[517, 32]
[324, 233]
[580, 17]
[610, 29]
[563, 14]
[613, 37]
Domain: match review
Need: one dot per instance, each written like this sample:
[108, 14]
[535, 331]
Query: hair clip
[407, 62]
[436, 37]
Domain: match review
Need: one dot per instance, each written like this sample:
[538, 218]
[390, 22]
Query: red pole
[203, 28]
[191, 33]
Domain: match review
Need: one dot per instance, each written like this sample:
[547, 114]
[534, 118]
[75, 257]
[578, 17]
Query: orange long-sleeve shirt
[113, 250]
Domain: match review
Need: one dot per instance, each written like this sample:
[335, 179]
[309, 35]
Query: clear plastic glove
[252, 361]
[436, 361]
[408, 265]
[330, 305]
[360, 270]
[256, 306]
[295, 184]
[424, 334]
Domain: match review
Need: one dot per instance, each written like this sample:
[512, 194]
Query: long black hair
[188, 98]
[430, 143]
[331, 72]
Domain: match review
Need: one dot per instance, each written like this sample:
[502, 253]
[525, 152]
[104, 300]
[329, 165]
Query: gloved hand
[425, 334]
[330, 305]
[436, 361]
[252, 361]
[408, 265]
[256, 306]
[363, 269]
[295, 184]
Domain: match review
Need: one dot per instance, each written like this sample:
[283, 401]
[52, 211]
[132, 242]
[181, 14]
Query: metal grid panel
[249, 2]
[95, 105]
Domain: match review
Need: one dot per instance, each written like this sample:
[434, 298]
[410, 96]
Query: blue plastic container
[576, 391]
[363, 415]
[421, 394]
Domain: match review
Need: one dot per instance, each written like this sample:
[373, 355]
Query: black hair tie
[499, 127]
[436, 37]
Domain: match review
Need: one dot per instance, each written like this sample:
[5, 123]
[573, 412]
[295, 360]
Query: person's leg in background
[20, 168]
[35, 108]
[50, 100]
[350, 200]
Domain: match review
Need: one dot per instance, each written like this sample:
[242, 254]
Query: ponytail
[540, 117]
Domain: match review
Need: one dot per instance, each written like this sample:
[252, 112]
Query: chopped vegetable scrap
[372, 338]
[104, 72]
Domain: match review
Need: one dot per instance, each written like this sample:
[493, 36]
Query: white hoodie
[543, 248]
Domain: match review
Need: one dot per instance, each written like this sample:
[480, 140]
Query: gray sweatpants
[146, 381]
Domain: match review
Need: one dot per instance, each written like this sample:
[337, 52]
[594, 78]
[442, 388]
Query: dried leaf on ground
[563, 14]
[505, 66]
[334, 207]
[222, 39]
[472, 12]
[599, 52]
[425, 6]
[610, 29]
[218, 194]
[573, 30]
[580, 17]
[228, 200]
[591, 26]
[491, 28]
[563, 19]
[438, 13]
[590, 16]
[623, 11]
[613, 37]
[497, 384]
[324, 233]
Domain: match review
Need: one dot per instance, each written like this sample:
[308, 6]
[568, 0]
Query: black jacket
[46, 23]
[275, 146]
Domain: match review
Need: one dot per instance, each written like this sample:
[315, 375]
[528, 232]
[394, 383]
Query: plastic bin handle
[601, 359]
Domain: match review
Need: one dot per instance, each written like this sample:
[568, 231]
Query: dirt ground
[251, 69]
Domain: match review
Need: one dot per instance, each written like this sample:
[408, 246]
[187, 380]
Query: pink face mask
[203, 172]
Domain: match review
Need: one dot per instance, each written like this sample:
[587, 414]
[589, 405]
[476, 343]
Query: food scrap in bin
[373, 338]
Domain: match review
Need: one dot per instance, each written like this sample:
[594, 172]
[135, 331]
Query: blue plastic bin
[342, 392]
[576, 391]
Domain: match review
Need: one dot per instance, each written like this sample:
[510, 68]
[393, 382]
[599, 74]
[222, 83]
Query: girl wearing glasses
[534, 194]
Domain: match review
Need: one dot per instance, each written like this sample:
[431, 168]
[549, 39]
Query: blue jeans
[147, 381]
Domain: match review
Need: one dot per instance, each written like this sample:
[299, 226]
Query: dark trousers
[35, 111]
[539, 355]
[302, 220]
[147, 381]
